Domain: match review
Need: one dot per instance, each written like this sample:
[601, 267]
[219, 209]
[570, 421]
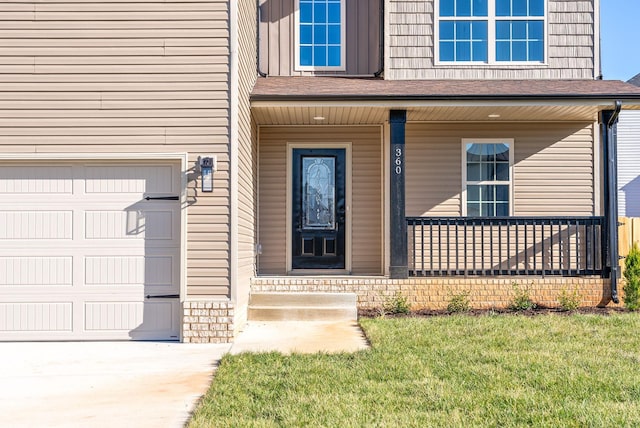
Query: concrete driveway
[103, 384]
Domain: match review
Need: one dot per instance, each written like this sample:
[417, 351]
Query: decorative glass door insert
[318, 178]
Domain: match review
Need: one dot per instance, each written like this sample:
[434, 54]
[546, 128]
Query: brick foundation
[435, 293]
[207, 322]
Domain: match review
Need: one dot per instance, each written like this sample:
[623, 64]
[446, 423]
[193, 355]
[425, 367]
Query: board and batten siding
[366, 200]
[411, 54]
[553, 167]
[277, 38]
[629, 163]
[126, 77]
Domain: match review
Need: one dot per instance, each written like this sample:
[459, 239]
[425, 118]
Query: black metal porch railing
[494, 246]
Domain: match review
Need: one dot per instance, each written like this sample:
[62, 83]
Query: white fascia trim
[604, 103]
[234, 85]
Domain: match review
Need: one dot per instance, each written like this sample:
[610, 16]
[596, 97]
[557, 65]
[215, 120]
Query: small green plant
[396, 304]
[521, 299]
[569, 301]
[459, 302]
[631, 287]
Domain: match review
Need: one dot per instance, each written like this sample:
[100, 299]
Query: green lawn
[500, 370]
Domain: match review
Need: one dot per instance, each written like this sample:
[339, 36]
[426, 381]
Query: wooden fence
[628, 233]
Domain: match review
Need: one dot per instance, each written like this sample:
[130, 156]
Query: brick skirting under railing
[435, 293]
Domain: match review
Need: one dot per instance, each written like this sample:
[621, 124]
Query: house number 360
[398, 160]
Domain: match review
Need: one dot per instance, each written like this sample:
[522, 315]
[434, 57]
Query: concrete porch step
[302, 307]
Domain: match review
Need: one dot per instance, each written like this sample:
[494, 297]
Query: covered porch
[410, 224]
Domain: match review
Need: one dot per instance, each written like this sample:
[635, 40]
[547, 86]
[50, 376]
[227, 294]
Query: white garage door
[89, 251]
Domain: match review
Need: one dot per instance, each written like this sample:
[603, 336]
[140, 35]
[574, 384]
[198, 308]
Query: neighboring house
[629, 160]
[423, 147]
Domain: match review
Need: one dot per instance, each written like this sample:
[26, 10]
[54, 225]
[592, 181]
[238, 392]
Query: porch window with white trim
[488, 178]
[320, 34]
[490, 31]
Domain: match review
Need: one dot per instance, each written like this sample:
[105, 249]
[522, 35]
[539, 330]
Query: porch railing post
[398, 225]
[608, 120]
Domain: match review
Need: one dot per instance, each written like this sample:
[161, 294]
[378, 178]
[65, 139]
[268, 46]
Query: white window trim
[343, 42]
[509, 142]
[491, 37]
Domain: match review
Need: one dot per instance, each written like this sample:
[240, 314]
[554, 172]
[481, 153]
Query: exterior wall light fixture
[207, 167]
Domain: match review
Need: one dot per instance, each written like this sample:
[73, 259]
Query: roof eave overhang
[416, 101]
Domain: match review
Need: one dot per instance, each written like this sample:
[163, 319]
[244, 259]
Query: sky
[620, 35]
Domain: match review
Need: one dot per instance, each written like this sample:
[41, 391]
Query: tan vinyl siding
[628, 161]
[553, 167]
[367, 196]
[272, 201]
[277, 38]
[247, 152]
[571, 46]
[126, 77]
[432, 175]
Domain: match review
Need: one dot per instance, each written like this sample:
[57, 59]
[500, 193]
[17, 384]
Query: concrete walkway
[138, 384]
[301, 337]
[103, 384]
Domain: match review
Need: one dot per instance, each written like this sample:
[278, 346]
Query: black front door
[318, 209]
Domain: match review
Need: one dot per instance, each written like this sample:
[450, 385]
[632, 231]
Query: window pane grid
[488, 179]
[464, 37]
[463, 7]
[519, 8]
[520, 40]
[463, 40]
[320, 33]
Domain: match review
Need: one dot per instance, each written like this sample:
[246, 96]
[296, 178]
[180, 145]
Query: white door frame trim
[348, 183]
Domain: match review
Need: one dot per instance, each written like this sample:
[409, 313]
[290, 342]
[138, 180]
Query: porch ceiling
[348, 101]
[361, 115]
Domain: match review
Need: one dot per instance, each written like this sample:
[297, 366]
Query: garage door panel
[33, 225]
[36, 317]
[80, 249]
[108, 316]
[24, 179]
[36, 271]
[125, 179]
[137, 320]
[132, 270]
[134, 224]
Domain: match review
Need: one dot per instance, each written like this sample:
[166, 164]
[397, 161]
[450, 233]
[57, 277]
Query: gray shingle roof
[280, 88]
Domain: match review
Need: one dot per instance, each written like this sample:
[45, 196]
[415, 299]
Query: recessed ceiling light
[318, 118]
[494, 116]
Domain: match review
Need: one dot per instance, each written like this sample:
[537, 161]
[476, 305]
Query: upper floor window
[487, 177]
[491, 31]
[320, 35]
